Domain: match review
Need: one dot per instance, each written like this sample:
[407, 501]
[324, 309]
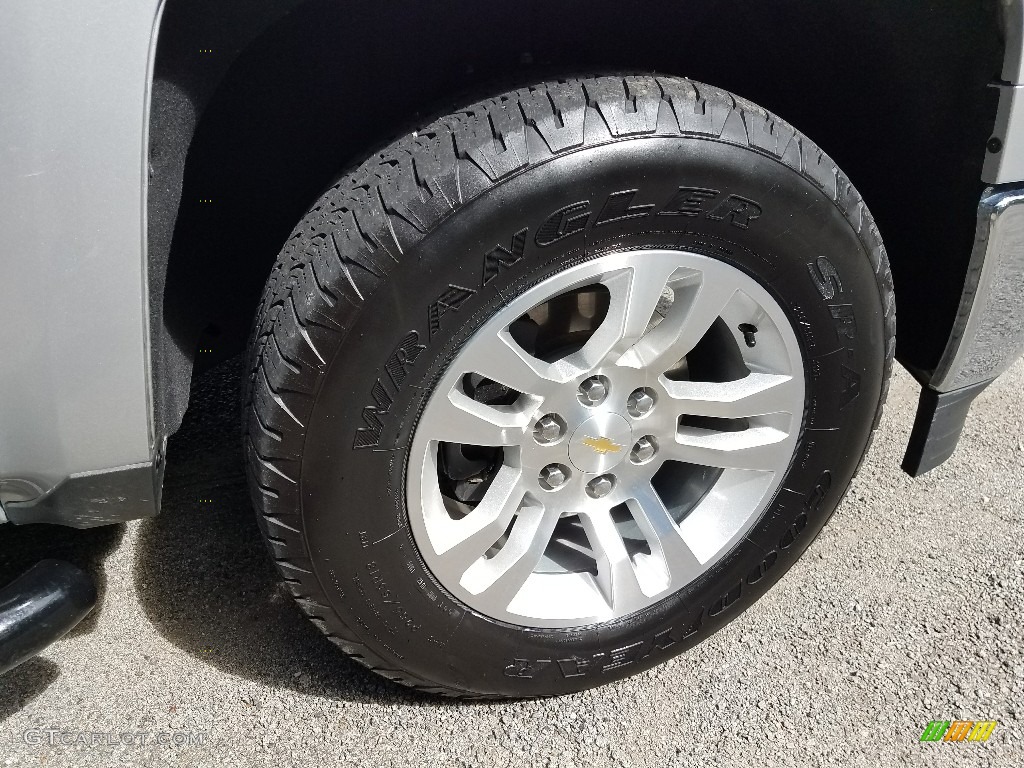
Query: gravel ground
[906, 609]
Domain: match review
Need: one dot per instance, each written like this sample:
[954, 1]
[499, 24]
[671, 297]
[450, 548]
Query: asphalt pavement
[907, 609]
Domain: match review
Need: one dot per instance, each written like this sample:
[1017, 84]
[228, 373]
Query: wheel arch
[243, 138]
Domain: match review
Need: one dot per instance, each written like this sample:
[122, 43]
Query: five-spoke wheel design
[605, 438]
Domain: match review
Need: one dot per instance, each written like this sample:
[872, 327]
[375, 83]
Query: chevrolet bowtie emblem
[602, 445]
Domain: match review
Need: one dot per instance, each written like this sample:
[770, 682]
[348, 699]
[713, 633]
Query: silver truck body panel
[988, 335]
[74, 351]
[1007, 165]
[1004, 162]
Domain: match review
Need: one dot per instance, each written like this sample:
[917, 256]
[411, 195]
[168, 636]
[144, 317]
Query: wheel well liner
[257, 107]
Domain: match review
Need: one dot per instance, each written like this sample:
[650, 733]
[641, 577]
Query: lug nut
[553, 476]
[593, 391]
[548, 429]
[644, 450]
[640, 403]
[600, 486]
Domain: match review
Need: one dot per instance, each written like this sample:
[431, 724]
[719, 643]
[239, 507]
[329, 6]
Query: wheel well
[258, 106]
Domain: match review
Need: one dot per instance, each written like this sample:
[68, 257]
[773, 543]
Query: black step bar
[41, 606]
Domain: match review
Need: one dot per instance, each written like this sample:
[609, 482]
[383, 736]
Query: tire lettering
[851, 386]
[369, 435]
[503, 258]
[577, 666]
[688, 201]
[524, 668]
[669, 637]
[740, 211]
[818, 493]
[791, 534]
[402, 358]
[804, 326]
[622, 657]
[563, 223]
[617, 208]
[399, 362]
[762, 568]
[845, 321]
[453, 297]
[825, 277]
[726, 600]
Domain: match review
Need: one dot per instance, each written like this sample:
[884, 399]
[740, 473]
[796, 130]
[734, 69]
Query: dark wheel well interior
[257, 106]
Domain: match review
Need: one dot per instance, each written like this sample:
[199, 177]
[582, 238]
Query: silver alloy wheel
[600, 503]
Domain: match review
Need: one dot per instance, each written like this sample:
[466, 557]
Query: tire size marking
[388, 598]
[380, 617]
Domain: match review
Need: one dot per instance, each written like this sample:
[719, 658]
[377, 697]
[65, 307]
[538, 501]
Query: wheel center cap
[599, 443]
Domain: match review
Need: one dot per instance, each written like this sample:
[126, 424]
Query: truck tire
[549, 390]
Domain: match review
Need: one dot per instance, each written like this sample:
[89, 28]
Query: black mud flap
[940, 419]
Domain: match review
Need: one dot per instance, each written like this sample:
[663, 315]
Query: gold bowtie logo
[602, 445]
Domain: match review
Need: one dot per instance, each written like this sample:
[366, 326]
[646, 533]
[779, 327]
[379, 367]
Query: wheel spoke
[616, 577]
[754, 395]
[501, 577]
[662, 533]
[634, 295]
[467, 540]
[501, 359]
[460, 419]
[756, 448]
[699, 301]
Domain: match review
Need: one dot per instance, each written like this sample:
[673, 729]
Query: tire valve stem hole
[749, 332]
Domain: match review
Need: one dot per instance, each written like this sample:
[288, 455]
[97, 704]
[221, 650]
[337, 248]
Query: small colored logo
[602, 445]
[958, 730]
